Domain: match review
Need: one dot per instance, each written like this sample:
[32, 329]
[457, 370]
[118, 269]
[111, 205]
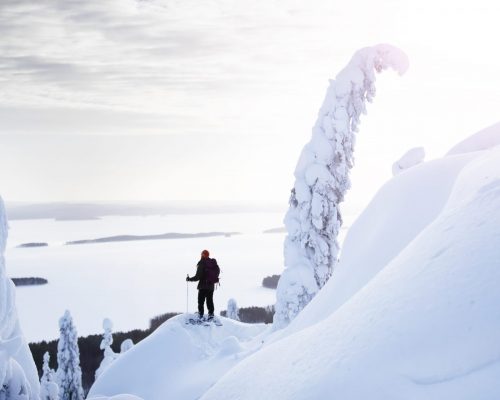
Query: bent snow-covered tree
[313, 220]
[107, 341]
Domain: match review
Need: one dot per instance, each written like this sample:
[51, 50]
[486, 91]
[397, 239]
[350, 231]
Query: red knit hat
[205, 253]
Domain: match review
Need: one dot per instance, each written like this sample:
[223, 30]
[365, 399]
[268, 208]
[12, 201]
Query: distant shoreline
[164, 236]
[63, 211]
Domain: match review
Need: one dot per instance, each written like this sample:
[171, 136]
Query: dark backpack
[211, 270]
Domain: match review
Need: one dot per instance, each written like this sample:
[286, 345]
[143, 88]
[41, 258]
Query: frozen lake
[130, 282]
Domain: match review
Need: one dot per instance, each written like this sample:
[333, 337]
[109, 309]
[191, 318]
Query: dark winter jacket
[200, 275]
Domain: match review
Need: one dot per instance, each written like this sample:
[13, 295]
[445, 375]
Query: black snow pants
[209, 296]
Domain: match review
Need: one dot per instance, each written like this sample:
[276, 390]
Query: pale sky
[113, 100]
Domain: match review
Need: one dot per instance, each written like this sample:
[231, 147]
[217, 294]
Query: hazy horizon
[154, 100]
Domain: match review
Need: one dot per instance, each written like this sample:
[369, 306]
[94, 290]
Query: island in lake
[29, 281]
[33, 244]
[127, 238]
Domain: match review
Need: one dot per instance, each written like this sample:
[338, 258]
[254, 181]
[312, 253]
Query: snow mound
[178, 361]
[423, 323]
[411, 158]
[482, 140]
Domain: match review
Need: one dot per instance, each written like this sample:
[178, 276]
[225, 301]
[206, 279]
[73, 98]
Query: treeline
[29, 281]
[271, 282]
[90, 353]
[254, 315]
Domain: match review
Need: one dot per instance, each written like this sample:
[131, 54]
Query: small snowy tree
[126, 345]
[313, 220]
[233, 310]
[48, 387]
[69, 374]
[107, 341]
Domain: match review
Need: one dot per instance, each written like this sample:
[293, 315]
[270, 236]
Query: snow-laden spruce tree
[69, 374]
[313, 220]
[107, 341]
[18, 375]
[232, 310]
[48, 386]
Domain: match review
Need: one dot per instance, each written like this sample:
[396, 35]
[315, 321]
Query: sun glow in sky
[213, 100]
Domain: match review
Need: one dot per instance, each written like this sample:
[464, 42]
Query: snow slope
[178, 361]
[425, 327]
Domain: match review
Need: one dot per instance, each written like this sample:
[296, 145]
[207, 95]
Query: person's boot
[210, 317]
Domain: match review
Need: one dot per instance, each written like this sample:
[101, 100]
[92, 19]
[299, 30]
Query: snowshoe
[194, 319]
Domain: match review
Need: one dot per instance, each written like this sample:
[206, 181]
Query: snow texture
[411, 158]
[313, 220]
[69, 374]
[18, 375]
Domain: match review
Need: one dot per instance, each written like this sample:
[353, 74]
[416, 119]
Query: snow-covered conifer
[18, 375]
[69, 374]
[48, 387]
[313, 220]
[233, 310]
[107, 341]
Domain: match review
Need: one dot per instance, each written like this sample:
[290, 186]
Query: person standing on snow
[207, 273]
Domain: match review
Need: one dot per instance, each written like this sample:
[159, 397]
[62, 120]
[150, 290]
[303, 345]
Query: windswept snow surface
[178, 361]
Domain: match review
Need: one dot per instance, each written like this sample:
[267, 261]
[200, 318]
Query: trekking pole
[187, 296]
